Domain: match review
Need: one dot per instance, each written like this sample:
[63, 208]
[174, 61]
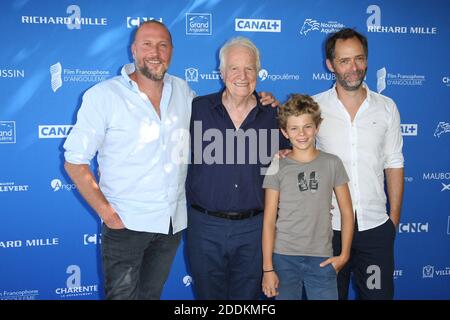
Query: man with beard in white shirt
[362, 127]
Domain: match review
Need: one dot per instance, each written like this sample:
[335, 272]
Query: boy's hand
[338, 262]
[270, 284]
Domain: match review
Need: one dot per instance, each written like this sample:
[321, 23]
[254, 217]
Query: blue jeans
[294, 272]
[136, 264]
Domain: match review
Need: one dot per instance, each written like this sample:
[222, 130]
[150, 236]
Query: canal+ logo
[257, 25]
[409, 129]
[54, 131]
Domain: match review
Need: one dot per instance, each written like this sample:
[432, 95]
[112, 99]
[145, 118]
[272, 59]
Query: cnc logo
[446, 81]
[133, 22]
[91, 238]
[413, 227]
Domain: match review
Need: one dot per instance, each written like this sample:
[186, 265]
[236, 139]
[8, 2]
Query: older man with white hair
[224, 184]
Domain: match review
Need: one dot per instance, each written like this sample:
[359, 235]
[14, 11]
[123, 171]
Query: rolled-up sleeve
[394, 141]
[88, 132]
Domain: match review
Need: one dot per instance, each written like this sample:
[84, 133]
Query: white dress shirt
[366, 146]
[141, 158]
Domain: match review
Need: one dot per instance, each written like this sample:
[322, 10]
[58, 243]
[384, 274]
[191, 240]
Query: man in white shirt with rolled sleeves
[138, 123]
[363, 128]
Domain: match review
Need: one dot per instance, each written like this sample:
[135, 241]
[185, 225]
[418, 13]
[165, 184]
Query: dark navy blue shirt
[227, 165]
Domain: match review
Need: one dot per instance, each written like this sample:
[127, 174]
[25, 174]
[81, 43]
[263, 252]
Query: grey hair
[239, 42]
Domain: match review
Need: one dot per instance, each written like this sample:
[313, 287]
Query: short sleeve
[340, 175]
[272, 177]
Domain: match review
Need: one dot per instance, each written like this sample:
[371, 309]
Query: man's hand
[266, 98]
[282, 153]
[395, 220]
[114, 222]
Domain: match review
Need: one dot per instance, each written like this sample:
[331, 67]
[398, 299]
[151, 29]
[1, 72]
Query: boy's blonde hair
[296, 105]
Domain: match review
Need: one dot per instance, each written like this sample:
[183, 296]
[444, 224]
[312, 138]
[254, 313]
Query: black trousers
[136, 264]
[371, 263]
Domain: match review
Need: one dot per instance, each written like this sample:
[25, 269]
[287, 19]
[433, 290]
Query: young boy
[297, 233]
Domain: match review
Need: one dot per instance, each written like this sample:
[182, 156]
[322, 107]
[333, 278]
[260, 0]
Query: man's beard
[151, 75]
[351, 87]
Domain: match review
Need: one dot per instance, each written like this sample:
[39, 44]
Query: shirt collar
[364, 85]
[217, 101]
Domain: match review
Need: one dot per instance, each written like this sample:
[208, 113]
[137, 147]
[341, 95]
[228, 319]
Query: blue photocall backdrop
[53, 51]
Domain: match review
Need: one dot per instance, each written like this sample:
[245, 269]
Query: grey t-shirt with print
[303, 225]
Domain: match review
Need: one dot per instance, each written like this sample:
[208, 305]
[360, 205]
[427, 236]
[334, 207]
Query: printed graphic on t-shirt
[303, 184]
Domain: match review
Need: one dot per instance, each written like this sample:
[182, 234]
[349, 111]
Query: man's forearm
[395, 185]
[88, 187]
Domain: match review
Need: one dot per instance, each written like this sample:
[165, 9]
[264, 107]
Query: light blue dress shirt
[142, 159]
